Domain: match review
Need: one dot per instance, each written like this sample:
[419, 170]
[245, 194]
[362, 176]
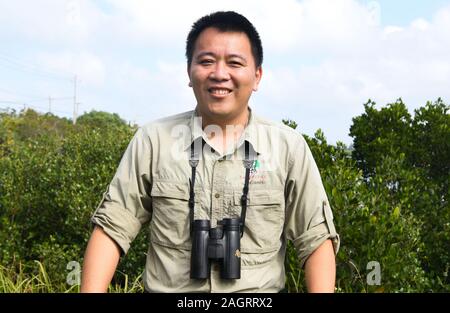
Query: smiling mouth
[219, 92]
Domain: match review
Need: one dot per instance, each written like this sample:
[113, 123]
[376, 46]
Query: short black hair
[225, 21]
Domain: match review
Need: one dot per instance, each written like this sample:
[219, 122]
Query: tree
[371, 222]
[100, 119]
[430, 148]
[421, 181]
[376, 133]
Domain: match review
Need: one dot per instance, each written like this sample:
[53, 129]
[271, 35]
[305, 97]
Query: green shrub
[391, 210]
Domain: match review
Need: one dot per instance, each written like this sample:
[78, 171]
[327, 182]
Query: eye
[206, 61]
[235, 63]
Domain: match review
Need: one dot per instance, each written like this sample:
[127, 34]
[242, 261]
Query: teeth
[219, 91]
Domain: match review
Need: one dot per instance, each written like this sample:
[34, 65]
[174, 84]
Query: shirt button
[217, 195]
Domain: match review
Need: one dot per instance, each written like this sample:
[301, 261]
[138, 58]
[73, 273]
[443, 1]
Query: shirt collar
[249, 134]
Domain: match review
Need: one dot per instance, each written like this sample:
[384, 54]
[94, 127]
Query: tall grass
[34, 278]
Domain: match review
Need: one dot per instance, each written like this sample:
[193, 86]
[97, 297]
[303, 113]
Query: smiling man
[223, 74]
[224, 69]
[221, 208]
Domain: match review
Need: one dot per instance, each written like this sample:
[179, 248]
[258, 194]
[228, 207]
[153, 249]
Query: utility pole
[75, 104]
[49, 104]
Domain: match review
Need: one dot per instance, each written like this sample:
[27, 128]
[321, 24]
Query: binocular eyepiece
[221, 244]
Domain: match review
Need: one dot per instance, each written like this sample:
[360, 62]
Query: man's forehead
[212, 34]
[209, 41]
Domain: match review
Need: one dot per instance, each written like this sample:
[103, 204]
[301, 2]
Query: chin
[219, 109]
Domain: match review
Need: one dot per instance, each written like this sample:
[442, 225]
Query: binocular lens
[221, 244]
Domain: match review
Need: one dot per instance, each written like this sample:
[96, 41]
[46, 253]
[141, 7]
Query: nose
[220, 72]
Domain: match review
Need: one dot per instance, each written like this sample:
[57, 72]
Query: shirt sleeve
[126, 204]
[309, 219]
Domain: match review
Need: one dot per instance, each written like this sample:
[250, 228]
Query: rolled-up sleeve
[309, 219]
[126, 204]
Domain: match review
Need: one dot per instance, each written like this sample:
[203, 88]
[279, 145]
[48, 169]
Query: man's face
[223, 73]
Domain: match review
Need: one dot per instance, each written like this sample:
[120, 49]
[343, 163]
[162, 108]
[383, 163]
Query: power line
[16, 61]
[15, 64]
[19, 65]
[28, 72]
[57, 99]
[25, 98]
[15, 93]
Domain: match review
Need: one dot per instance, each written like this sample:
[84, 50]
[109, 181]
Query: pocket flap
[168, 189]
[260, 197]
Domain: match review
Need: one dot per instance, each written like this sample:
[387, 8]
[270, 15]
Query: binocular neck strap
[244, 199]
[193, 162]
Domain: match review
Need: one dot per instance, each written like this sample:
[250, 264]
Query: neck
[224, 133]
[223, 122]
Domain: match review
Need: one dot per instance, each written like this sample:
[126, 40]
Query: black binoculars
[221, 244]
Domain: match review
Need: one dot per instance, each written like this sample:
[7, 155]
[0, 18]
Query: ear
[188, 68]
[258, 75]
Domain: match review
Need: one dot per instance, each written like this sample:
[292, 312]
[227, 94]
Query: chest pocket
[170, 220]
[264, 220]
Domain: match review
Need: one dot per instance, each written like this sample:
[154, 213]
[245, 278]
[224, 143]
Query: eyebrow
[208, 53]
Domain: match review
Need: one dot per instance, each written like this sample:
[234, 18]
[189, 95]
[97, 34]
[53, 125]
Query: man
[199, 165]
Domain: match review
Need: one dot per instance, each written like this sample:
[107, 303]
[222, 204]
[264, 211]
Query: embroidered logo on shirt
[257, 176]
[256, 164]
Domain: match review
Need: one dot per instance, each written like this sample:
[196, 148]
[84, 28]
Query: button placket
[217, 192]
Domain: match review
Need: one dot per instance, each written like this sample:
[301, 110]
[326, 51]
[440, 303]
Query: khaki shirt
[287, 201]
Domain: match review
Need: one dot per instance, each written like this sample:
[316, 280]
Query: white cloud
[323, 58]
[420, 24]
[286, 25]
[70, 22]
[141, 94]
[392, 29]
[410, 62]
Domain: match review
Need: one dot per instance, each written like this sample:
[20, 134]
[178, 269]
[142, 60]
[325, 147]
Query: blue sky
[323, 58]
[402, 12]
